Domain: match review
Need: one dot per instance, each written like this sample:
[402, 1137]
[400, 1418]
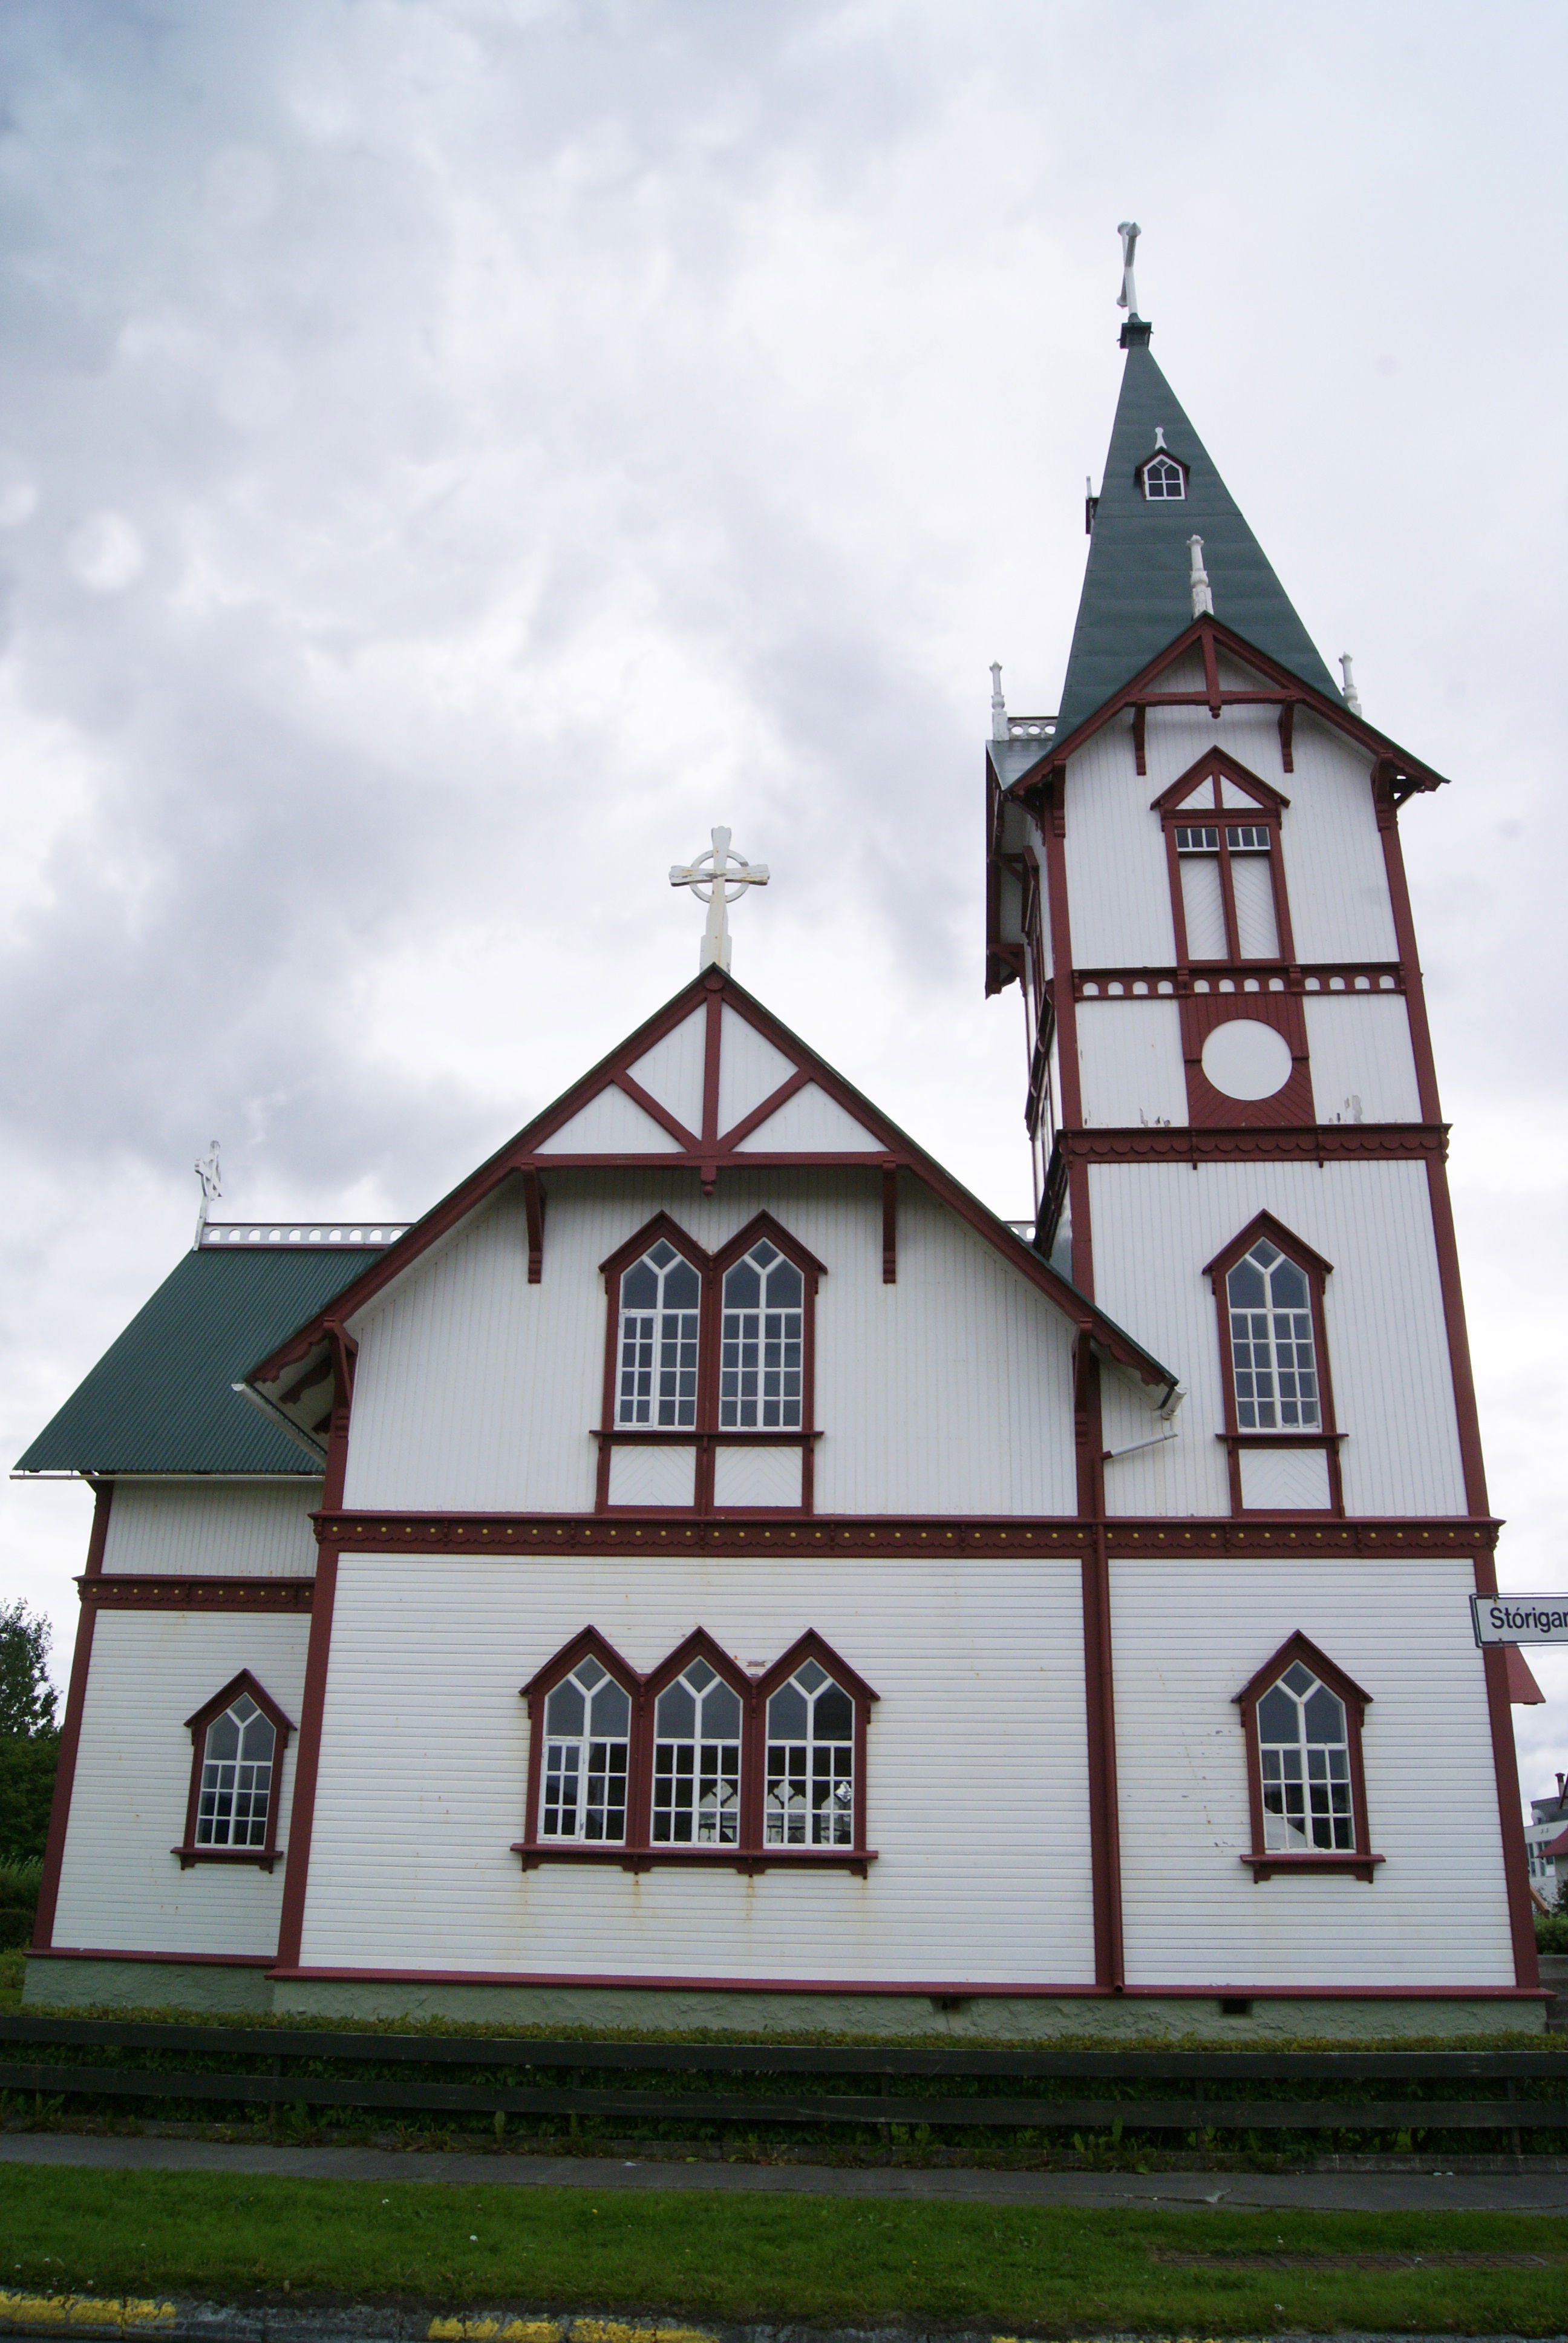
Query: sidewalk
[1336, 2192]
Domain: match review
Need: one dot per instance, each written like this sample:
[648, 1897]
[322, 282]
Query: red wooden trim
[890, 1224]
[308, 1757]
[1266, 1225]
[1404, 935]
[196, 1726]
[344, 1353]
[719, 1858]
[114, 1953]
[1317, 1143]
[1316, 978]
[1287, 737]
[940, 1988]
[1209, 1109]
[1359, 1860]
[1099, 1678]
[1214, 764]
[588, 1644]
[1215, 636]
[713, 1043]
[71, 1730]
[651, 1106]
[134, 1591]
[1139, 720]
[765, 1111]
[787, 1532]
[534, 1205]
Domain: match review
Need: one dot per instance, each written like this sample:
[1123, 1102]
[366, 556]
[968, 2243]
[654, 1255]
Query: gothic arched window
[1279, 1430]
[810, 1794]
[1303, 1717]
[696, 1760]
[238, 1739]
[763, 1337]
[1273, 1349]
[660, 1313]
[586, 1751]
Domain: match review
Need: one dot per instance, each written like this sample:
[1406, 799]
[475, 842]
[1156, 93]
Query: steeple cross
[1127, 299]
[717, 878]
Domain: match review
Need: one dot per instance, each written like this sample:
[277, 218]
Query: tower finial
[209, 1171]
[1130, 232]
[1203, 599]
[1353, 697]
[998, 731]
[717, 878]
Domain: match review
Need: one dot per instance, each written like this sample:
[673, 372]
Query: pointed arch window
[1303, 1717]
[763, 1338]
[1268, 1289]
[237, 1740]
[699, 1761]
[660, 1318]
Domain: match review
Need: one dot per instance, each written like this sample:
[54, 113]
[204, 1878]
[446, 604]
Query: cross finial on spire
[1128, 231]
[209, 1171]
[717, 878]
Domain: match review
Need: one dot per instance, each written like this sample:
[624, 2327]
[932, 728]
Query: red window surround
[1357, 1861]
[706, 1434]
[1239, 1437]
[637, 1851]
[269, 1852]
[1190, 803]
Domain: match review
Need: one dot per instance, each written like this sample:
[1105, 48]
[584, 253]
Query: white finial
[209, 1171]
[1203, 599]
[1353, 697]
[1127, 299]
[998, 731]
[717, 878]
[1160, 435]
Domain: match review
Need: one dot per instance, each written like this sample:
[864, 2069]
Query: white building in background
[710, 1571]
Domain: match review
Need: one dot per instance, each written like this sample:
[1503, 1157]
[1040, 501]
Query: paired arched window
[1303, 1717]
[709, 1358]
[237, 1741]
[1280, 1432]
[699, 1760]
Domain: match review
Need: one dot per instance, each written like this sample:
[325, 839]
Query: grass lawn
[1055, 2269]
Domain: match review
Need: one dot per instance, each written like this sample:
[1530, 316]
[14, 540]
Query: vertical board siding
[1334, 867]
[1130, 1059]
[671, 1071]
[806, 1123]
[1363, 1068]
[1119, 896]
[120, 1888]
[750, 1069]
[611, 1124]
[1187, 1640]
[977, 1795]
[1155, 1226]
[214, 1529]
[949, 1392]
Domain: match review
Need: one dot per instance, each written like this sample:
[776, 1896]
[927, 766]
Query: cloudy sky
[455, 451]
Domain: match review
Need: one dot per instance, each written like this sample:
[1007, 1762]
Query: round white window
[1246, 1059]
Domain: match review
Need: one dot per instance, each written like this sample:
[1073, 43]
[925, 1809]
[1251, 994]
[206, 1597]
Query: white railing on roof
[1030, 727]
[302, 1232]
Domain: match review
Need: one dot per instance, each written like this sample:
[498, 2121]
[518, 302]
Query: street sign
[1520, 1618]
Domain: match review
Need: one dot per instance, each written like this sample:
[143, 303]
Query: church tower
[1196, 883]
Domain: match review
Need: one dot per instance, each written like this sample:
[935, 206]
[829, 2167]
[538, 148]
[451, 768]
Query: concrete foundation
[213, 1987]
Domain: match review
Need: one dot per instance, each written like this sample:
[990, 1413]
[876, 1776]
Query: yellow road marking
[84, 2310]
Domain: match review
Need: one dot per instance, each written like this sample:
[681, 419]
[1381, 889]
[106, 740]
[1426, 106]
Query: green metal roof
[1136, 593]
[160, 1398]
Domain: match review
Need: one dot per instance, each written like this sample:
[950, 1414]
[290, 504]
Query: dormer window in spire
[1161, 477]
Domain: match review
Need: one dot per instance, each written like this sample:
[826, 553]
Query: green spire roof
[1136, 596]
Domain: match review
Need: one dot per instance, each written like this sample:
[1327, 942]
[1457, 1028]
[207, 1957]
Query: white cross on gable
[717, 878]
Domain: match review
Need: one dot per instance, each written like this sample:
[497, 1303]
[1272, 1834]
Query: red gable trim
[1210, 636]
[888, 1144]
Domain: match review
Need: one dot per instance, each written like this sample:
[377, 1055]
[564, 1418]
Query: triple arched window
[699, 1760]
[238, 1738]
[708, 1366]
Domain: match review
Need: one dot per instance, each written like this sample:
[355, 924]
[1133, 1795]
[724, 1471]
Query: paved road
[1339, 2192]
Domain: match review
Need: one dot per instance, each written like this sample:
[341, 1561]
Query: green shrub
[1551, 1931]
[19, 1885]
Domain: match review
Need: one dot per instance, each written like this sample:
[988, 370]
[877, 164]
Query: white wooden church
[709, 1571]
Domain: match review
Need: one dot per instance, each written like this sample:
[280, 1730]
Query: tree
[29, 1740]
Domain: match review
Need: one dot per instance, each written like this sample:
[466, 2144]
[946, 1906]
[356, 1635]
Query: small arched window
[587, 1740]
[237, 1741]
[810, 1794]
[1307, 1786]
[697, 1761]
[1273, 1353]
[1164, 481]
[760, 1371]
[661, 1310]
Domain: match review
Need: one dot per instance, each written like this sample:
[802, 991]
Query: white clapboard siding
[976, 1793]
[1156, 1225]
[1187, 1639]
[214, 1529]
[1363, 1068]
[757, 1476]
[809, 1121]
[671, 1071]
[750, 1069]
[121, 1890]
[611, 1124]
[949, 1392]
[1130, 1059]
[653, 1476]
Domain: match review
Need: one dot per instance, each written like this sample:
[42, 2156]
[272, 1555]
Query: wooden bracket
[890, 1224]
[533, 1204]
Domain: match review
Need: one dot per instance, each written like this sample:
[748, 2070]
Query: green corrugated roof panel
[160, 1400]
[1136, 594]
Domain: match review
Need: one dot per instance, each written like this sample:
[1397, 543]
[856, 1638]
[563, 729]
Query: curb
[49, 2315]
